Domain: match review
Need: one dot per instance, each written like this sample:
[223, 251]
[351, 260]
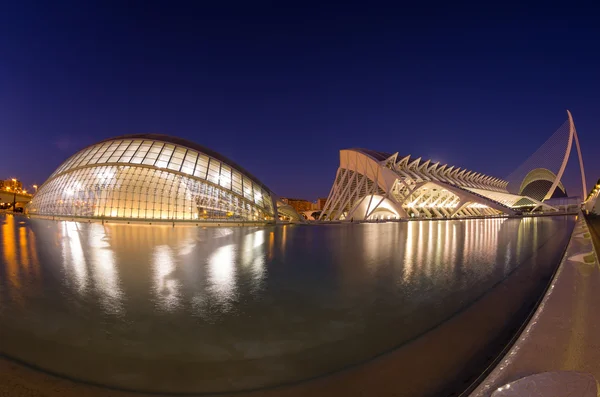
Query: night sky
[281, 90]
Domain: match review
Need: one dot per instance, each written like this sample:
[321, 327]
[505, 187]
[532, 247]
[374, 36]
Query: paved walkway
[564, 333]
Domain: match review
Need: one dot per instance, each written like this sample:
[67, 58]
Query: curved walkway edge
[563, 334]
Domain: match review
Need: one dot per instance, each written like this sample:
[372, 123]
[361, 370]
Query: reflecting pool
[193, 309]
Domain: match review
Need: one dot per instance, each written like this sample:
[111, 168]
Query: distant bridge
[8, 197]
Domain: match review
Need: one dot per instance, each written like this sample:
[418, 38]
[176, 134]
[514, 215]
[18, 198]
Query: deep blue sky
[280, 90]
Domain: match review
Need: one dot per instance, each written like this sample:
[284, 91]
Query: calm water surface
[191, 309]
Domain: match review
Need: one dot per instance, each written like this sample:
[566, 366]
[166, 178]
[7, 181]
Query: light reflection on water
[254, 305]
[222, 275]
[104, 268]
[166, 285]
[72, 254]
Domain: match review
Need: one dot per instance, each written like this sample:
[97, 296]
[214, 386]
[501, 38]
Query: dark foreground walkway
[564, 333]
[594, 225]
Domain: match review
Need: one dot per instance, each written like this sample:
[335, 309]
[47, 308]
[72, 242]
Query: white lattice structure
[156, 177]
[540, 176]
[377, 185]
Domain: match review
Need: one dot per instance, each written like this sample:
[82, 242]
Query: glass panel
[141, 152]
[213, 171]
[86, 154]
[201, 166]
[175, 163]
[225, 177]
[190, 162]
[119, 151]
[179, 152]
[247, 185]
[177, 159]
[153, 153]
[165, 156]
[236, 182]
[109, 151]
[130, 151]
[99, 153]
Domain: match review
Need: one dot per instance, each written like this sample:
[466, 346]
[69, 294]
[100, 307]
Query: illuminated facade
[151, 176]
[591, 203]
[378, 185]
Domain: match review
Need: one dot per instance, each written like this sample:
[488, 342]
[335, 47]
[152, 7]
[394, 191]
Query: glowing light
[221, 268]
[166, 286]
[108, 190]
[10, 254]
[73, 256]
[105, 274]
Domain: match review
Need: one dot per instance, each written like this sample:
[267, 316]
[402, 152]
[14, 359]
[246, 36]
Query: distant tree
[316, 214]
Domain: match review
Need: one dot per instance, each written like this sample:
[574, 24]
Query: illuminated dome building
[152, 176]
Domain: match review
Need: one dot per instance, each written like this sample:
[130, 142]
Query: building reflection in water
[432, 247]
[23, 248]
[19, 263]
[218, 296]
[221, 276]
[409, 252]
[104, 269]
[206, 266]
[73, 258]
[271, 244]
[89, 264]
[253, 256]
[9, 251]
[166, 284]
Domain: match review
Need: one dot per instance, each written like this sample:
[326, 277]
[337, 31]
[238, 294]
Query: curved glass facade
[151, 179]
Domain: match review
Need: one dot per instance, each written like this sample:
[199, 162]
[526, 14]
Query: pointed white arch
[572, 134]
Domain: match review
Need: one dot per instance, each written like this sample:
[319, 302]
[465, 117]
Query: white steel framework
[540, 176]
[377, 185]
[156, 177]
